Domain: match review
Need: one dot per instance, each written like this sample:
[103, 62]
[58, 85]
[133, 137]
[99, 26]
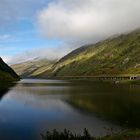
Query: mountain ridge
[32, 68]
[113, 56]
[7, 74]
[117, 55]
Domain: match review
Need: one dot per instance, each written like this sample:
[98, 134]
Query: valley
[116, 56]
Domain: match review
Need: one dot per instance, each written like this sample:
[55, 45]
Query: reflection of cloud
[38, 97]
[88, 20]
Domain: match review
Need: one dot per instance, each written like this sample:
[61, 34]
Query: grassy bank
[92, 79]
[67, 135]
[136, 82]
[132, 135]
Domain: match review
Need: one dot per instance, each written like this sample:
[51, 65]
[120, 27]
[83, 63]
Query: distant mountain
[7, 74]
[32, 68]
[115, 56]
[119, 55]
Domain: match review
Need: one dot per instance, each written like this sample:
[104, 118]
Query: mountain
[7, 74]
[32, 68]
[119, 55]
[114, 56]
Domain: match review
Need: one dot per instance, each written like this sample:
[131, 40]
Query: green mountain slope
[115, 56]
[32, 68]
[7, 74]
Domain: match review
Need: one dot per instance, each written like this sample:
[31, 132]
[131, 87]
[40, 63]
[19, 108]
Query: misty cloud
[73, 22]
[88, 20]
[40, 53]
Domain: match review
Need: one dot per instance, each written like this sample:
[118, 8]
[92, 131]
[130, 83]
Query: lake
[34, 106]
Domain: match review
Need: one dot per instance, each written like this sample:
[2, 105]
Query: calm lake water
[33, 106]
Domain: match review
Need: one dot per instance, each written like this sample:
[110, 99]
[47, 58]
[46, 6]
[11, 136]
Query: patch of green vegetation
[136, 82]
[7, 74]
[5, 77]
[132, 135]
[114, 56]
[6, 70]
[66, 135]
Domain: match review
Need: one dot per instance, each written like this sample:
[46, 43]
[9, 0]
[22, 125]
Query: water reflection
[34, 106]
[4, 88]
[120, 104]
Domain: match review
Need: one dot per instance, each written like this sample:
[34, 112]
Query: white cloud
[75, 22]
[88, 20]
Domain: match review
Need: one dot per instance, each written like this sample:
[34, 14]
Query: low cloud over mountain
[88, 20]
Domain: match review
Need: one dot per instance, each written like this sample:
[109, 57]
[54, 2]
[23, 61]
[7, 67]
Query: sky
[52, 28]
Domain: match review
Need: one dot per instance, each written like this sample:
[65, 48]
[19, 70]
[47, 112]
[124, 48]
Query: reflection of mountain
[38, 96]
[4, 88]
[45, 106]
[119, 104]
[7, 75]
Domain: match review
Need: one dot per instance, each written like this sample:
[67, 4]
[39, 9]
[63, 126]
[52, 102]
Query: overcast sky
[52, 28]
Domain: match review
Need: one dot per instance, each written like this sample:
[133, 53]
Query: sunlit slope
[7, 74]
[115, 56]
[118, 55]
[32, 68]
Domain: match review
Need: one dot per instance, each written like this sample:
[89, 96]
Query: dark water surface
[34, 106]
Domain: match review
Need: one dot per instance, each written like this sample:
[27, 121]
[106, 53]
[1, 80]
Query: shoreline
[66, 134]
[90, 78]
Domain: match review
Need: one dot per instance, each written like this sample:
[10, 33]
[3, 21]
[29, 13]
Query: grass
[67, 135]
[5, 77]
[132, 135]
[136, 82]
[7, 74]
[114, 56]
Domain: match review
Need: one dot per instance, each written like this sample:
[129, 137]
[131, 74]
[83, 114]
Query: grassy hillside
[114, 56]
[6, 73]
[32, 68]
